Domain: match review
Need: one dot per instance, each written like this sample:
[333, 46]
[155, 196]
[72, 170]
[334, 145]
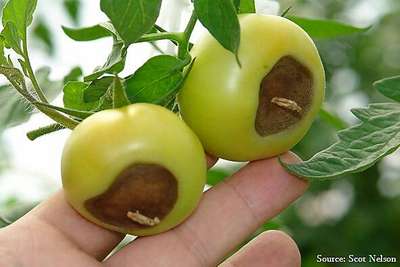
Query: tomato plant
[249, 89]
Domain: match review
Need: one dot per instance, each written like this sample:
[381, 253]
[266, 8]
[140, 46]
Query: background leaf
[72, 7]
[13, 109]
[87, 33]
[73, 97]
[19, 12]
[389, 87]
[155, 79]
[220, 18]
[325, 29]
[359, 147]
[97, 89]
[42, 32]
[131, 18]
[247, 6]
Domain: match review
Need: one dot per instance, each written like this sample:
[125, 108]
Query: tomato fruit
[138, 169]
[263, 107]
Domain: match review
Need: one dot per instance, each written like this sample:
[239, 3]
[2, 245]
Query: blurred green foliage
[353, 215]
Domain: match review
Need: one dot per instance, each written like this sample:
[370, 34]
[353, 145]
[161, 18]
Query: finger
[228, 214]
[57, 214]
[272, 248]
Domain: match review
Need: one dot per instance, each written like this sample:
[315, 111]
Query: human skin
[53, 233]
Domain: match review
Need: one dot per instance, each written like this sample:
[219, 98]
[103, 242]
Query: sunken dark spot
[288, 79]
[148, 188]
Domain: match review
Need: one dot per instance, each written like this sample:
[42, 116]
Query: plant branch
[151, 37]
[32, 135]
[184, 44]
[31, 74]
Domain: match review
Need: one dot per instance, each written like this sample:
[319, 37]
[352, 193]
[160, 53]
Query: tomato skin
[109, 141]
[219, 100]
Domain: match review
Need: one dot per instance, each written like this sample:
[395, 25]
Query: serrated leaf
[389, 87]
[358, 147]
[97, 89]
[119, 94]
[87, 33]
[154, 80]
[20, 13]
[220, 19]
[131, 18]
[247, 6]
[364, 114]
[73, 97]
[326, 29]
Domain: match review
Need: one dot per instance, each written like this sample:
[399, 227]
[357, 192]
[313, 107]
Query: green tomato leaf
[42, 32]
[247, 6]
[131, 18]
[87, 33]
[326, 29]
[72, 8]
[74, 75]
[155, 80]
[215, 176]
[119, 94]
[332, 119]
[11, 38]
[13, 109]
[97, 89]
[389, 87]
[73, 97]
[358, 147]
[20, 13]
[3, 59]
[115, 62]
[220, 19]
[51, 88]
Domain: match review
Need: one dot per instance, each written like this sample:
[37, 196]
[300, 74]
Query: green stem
[31, 74]
[58, 117]
[184, 44]
[151, 37]
[32, 135]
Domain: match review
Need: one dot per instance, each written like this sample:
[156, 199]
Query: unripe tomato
[139, 169]
[263, 107]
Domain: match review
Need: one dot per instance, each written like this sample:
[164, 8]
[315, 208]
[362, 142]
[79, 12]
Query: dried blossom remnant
[141, 219]
[285, 96]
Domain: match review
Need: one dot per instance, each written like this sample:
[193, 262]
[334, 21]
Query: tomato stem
[31, 74]
[184, 45]
[33, 135]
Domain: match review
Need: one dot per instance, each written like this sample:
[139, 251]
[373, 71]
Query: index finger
[227, 215]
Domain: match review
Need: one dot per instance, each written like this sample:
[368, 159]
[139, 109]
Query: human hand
[53, 234]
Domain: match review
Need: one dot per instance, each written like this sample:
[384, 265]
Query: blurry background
[359, 214]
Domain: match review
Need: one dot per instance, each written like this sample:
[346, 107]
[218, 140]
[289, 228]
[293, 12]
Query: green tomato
[138, 170]
[263, 107]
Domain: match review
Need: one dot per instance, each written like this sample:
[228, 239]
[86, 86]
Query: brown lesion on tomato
[141, 196]
[285, 96]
